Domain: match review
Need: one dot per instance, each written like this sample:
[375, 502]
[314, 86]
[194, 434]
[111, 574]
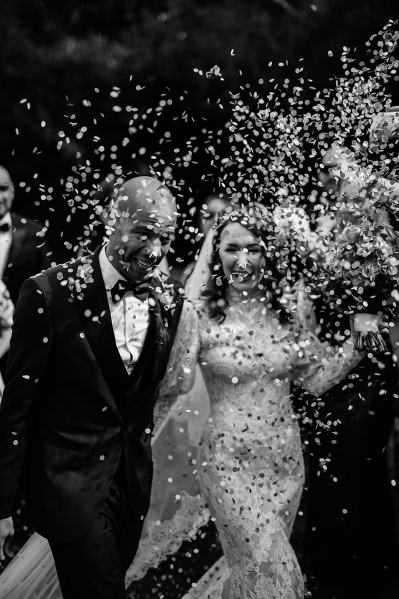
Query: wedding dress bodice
[247, 372]
[252, 353]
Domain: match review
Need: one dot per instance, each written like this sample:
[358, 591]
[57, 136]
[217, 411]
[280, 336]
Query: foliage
[55, 56]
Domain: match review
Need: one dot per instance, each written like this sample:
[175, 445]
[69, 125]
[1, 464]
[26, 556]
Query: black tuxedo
[29, 254]
[70, 412]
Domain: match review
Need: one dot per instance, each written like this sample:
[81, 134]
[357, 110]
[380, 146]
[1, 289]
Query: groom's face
[142, 236]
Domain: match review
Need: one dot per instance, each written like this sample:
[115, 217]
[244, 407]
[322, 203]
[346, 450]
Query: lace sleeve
[180, 372]
[320, 366]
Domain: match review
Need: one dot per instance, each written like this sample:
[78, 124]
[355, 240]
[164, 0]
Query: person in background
[6, 317]
[351, 545]
[24, 251]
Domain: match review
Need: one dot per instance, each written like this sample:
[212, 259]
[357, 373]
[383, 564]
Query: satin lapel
[17, 238]
[92, 304]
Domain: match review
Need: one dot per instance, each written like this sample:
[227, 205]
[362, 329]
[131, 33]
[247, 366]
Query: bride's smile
[241, 257]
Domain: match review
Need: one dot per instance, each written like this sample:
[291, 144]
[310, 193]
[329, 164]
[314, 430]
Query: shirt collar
[109, 272]
[6, 219]
[110, 275]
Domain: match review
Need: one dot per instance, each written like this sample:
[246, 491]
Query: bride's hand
[341, 167]
[6, 530]
[384, 126]
[336, 156]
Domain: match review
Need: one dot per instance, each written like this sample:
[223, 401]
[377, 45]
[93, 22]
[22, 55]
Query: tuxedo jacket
[71, 417]
[29, 254]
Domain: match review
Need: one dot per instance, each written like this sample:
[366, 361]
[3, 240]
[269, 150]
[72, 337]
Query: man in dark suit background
[90, 345]
[23, 248]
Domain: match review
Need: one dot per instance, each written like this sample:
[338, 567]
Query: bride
[250, 348]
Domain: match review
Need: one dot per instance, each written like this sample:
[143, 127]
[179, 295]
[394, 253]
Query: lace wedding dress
[251, 466]
[250, 461]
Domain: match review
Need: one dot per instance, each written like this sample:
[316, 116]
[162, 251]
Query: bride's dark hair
[258, 222]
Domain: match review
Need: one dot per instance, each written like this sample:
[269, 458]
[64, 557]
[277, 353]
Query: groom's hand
[6, 529]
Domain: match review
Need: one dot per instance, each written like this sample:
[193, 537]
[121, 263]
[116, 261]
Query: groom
[90, 344]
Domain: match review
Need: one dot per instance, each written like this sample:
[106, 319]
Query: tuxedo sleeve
[27, 365]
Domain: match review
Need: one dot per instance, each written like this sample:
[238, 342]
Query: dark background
[85, 86]
[105, 66]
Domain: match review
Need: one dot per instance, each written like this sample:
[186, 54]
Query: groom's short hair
[136, 191]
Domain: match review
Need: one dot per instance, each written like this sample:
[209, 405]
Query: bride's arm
[356, 179]
[321, 366]
[180, 371]
[359, 181]
[197, 281]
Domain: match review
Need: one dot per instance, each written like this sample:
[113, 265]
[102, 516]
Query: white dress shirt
[5, 242]
[129, 316]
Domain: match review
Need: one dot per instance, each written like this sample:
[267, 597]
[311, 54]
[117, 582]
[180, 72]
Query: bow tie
[5, 227]
[140, 290]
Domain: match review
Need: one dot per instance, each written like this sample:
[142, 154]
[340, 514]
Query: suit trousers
[94, 566]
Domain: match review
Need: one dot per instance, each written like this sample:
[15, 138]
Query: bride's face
[241, 256]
